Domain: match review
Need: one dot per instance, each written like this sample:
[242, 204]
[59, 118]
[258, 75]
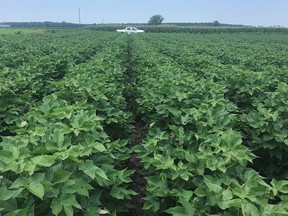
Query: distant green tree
[216, 23]
[156, 20]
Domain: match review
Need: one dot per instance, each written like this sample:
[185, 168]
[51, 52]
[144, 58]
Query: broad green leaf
[37, 177]
[213, 187]
[6, 194]
[121, 193]
[6, 156]
[20, 182]
[99, 146]
[200, 192]
[275, 210]
[178, 211]
[44, 160]
[37, 189]
[92, 170]
[9, 205]
[70, 187]
[61, 176]
[51, 146]
[88, 168]
[59, 138]
[68, 199]
[235, 203]
[76, 205]
[185, 194]
[29, 167]
[281, 186]
[56, 206]
[227, 194]
[20, 212]
[68, 210]
[151, 204]
[188, 207]
[222, 204]
[248, 209]
[76, 132]
[184, 175]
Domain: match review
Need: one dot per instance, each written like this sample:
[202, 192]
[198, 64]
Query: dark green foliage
[210, 121]
[214, 108]
[155, 20]
[193, 29]
[46, 24]
[55, 152]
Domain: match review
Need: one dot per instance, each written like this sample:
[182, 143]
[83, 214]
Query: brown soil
[139, 182]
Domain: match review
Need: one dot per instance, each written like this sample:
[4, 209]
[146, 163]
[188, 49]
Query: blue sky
[249, 12]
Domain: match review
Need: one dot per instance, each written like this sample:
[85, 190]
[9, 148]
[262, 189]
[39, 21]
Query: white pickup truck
[130, 30]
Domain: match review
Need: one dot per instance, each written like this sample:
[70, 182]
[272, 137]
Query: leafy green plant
[214, 108]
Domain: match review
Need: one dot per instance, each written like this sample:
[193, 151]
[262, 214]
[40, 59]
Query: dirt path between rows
[138, 134]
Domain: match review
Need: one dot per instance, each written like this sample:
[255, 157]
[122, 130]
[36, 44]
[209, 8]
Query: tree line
[46, 24]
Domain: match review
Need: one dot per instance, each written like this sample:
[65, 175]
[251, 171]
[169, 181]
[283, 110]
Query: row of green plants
[170, 28]
[255, 78]
[199, 154]
[16, 50]
[254, 52]
[214, 107]
[23, 84]
[65, 155]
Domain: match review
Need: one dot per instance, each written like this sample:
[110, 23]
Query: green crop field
[5, 31]
[100, 123]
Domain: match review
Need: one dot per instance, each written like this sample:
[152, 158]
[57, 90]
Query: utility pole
[79, 17]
